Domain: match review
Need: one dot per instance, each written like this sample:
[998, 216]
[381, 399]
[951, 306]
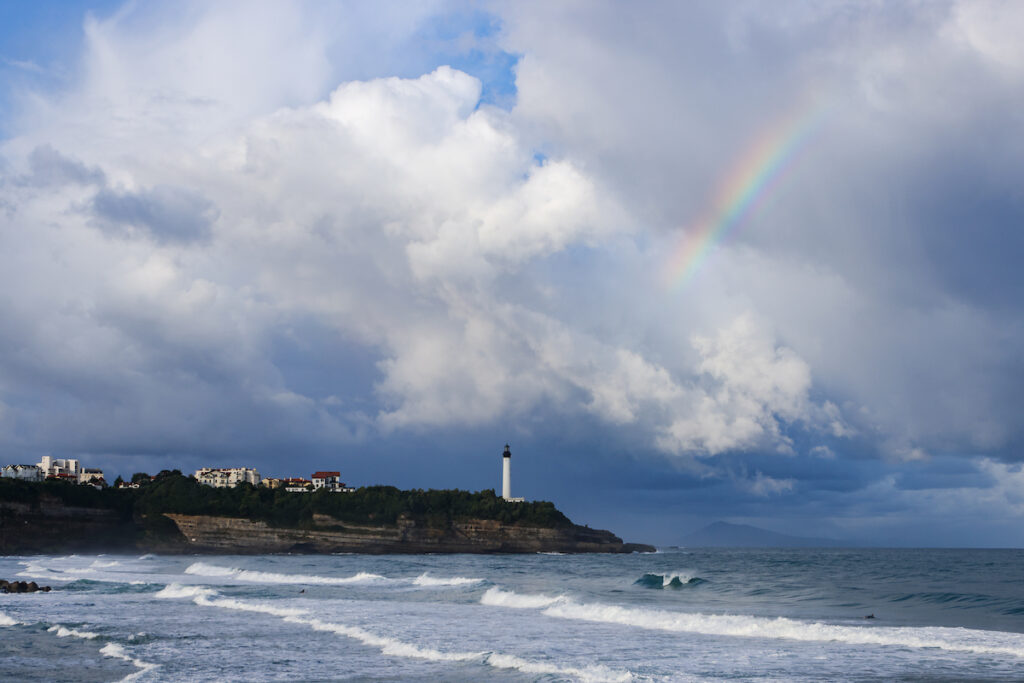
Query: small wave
[63, 632]
[7, 621]
[118, 652]
[147, 556]
[426, 580]
[176, 590]
[499, 598]
[251, 576]
[678, 580]
[100, 564]
[36, 571]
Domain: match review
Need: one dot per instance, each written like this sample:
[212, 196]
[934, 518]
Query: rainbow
[744, 187]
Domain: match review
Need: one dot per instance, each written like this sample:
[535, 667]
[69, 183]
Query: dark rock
[21, 587]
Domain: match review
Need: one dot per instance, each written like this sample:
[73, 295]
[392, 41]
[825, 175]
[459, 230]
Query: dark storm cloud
[167, 214]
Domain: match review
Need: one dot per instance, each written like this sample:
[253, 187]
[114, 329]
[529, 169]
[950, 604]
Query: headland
[175, 514]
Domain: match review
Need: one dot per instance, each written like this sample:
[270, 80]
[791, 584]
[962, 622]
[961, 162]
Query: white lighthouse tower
[506, 477]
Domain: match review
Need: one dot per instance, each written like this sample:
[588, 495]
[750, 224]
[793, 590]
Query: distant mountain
[725, 535]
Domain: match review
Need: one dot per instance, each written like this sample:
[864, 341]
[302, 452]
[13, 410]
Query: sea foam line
[950, 639]
[390, 646]
[252, 576]
[63, 632]
[117, 651]
[426, 580]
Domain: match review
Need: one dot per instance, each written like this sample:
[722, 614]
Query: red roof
[324, 475]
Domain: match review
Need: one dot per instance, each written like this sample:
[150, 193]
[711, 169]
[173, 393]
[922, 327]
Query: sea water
[675, 615]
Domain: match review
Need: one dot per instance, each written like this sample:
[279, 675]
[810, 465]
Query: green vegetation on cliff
[170, 491]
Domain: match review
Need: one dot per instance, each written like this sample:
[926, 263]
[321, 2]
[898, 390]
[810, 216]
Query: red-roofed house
[330, 481]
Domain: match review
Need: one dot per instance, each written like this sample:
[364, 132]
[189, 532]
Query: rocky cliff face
[51, 527]
[242, 536]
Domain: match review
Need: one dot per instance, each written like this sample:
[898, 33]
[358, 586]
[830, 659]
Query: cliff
[328, 535]
[50, 526]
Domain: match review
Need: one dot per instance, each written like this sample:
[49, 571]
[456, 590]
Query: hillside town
[71, 470]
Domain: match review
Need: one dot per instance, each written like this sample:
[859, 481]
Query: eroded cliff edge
[48, 525]
[233, 535]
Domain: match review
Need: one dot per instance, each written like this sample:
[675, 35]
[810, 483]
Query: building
[330, 481]
[91, 475]
[272, 482]
[297, 485]
[506, 477]
[227, 477]
[23, 472]
[60, 468]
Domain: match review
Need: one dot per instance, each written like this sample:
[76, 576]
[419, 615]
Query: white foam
[100, 564]
[263, 608]
[176, 590]
[66, 632]
[7, 621]
[36, 571]
[117, 651]
[950, 639]
[425, 579]
[248, 575]
[499, 598]
[683, 576]
[397, 648]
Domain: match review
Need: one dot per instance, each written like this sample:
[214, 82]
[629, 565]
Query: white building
[24, 472]
[330, 481]
[62, 468]
[506, 477]
[227, 477]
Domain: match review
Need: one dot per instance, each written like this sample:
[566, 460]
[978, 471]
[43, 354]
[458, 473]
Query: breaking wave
[118, 652]
[251, 576]
[782, 628]
[63, 632]
[426, 580]
[7, 621]
[111, 649]
[678, 580]
[176, 590]
[499, 598]
[393, 647]
[37, 571]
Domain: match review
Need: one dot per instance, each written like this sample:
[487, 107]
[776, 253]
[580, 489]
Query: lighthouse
[506, 477]
[506, 473]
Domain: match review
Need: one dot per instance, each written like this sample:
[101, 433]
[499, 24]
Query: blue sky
[388, 238]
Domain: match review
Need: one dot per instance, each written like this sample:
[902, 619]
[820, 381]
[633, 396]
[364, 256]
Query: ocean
[675, 615]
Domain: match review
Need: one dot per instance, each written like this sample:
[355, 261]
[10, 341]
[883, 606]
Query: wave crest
[499, 598]
[425, 579]
[252, 576]
[677, 580]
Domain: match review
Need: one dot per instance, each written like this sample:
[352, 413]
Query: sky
[740, 261]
